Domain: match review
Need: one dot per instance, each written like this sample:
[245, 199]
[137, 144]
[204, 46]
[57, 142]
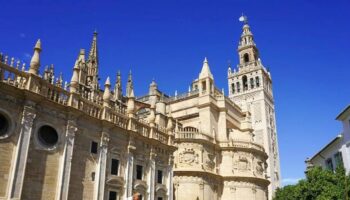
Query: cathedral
[80, 140]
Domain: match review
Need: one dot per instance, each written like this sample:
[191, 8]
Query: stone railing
[116, 117]
[247, 145]
[160, 135]
[89, 103]
[139, 127]
[143, 98]
[187, 134]
[12, 75]
[52, 92]
[183, 95]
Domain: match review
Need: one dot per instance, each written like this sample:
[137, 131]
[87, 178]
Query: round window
[48, 136]
[4, 125]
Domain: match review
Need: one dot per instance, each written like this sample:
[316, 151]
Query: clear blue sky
[304, 43]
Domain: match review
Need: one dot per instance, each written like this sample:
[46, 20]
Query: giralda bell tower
[250, 86]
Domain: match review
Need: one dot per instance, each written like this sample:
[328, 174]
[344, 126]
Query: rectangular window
[93, 147]
[338, 158]
[114, 166]
[160, 177]
[329, 164]
[160, 198]
[139, 172]
[112, 195]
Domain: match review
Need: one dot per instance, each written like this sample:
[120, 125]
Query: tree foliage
[319, 185]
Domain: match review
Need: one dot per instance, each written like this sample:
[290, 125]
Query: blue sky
[305, 43]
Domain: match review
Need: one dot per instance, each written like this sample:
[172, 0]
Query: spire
[118, 87]
[247, 50]
[92, 63]
[131, 97]
[35, 61]
[130, 86]
[93, 55]
[205, 73]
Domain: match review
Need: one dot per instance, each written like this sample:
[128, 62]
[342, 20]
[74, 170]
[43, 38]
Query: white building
[337, 152]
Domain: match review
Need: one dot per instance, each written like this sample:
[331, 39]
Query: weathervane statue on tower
[243, 19]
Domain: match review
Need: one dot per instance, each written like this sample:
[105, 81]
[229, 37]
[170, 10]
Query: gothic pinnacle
[35, 61]
[107, 93]
[205, 72]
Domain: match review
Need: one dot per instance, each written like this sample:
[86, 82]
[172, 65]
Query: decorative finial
[205, 60]
[107, 93]
[243, 19]
[35, 61]
[108, 82]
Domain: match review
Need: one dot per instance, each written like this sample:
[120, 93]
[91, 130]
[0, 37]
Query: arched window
[257, 81]
[204, 86]
[233, 89]
[246, 57]
[251, 83]
[245, 83]
[238, 87]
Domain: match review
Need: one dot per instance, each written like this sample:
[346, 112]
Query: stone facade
[77, 141]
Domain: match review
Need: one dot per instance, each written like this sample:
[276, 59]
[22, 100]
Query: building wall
[8, 143]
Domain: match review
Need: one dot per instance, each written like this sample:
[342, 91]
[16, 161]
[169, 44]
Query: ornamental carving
[242, 163]
[28, 117]
[209, 162]
[188, 156]
[259, 167]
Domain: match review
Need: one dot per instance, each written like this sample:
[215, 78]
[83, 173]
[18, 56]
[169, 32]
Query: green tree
[319, 185]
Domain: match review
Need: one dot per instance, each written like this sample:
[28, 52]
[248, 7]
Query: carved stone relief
[209, 163]
[189, 156]
[242, 162]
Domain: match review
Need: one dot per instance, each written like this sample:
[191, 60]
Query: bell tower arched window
[251, 83]
[245, 83]
[246, 57]
[257, 81]
[233, 89]
[238, 87]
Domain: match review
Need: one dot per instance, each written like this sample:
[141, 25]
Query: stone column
[100, 180]
[170, 190]
[129, 169]
[20, 160]
[151, 175]
[201, 190]
[66, 160]
[129, 174]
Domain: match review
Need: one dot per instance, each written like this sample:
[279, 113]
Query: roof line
[325, 147]
[343, 112]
